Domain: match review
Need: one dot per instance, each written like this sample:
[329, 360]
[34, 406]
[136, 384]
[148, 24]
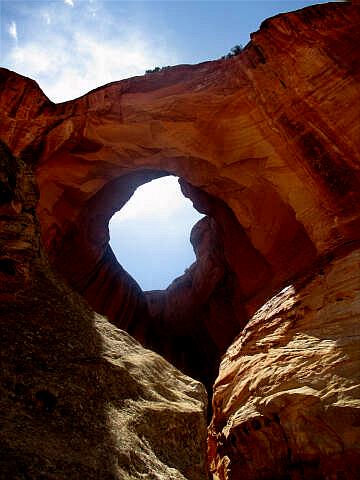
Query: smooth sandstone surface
[80, 398]
[287, 398]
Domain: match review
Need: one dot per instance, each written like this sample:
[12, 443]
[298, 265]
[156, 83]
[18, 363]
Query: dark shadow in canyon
[58, 387]
[49, 391]
[197, 317]
[193, 321]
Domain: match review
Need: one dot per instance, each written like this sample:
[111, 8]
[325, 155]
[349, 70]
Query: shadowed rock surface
[78, 397]
[267, 145]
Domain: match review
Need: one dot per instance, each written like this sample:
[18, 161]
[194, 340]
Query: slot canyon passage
[102, 380]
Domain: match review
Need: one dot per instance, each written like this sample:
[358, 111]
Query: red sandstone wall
[272, 134]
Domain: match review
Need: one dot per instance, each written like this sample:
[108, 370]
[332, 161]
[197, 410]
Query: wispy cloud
[161, 198]
[66, 72]
[12, 30]
[69, 2]
[76, 55]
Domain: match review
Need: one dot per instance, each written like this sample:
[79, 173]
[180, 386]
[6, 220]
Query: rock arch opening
[150, 234]
[277, 182]
[193, 321]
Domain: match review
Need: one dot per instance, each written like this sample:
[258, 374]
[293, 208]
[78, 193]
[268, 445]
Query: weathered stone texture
[287, 399]
[267, 145]
[78, 397]
[263, 133]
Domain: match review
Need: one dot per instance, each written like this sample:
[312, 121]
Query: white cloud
[150, 234]
[161, 198]
[69, 2]
[75, 57]
[12, 30]
[34, 59]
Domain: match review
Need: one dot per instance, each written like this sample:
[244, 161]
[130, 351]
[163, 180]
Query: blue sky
[72, 46]
[151, 233]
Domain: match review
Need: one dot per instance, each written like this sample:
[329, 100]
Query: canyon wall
[80, 398]
[267, 145]
[262, 133]
[286, 402]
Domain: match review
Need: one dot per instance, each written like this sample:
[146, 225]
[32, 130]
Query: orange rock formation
[266, 144]
[286, 402]
[80, 398]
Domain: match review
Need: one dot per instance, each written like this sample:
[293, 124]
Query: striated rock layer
[266, 143]
[287, 399]
[78, 397]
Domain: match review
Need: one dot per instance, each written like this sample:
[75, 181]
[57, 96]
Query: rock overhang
[257, 140]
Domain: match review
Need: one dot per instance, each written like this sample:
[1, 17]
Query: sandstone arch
[75, 399]
[262, 173]
[267, 145]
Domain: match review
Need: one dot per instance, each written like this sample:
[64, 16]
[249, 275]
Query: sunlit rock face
[286, 401]
[266, 144]
[263, 133]
[79, 397]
